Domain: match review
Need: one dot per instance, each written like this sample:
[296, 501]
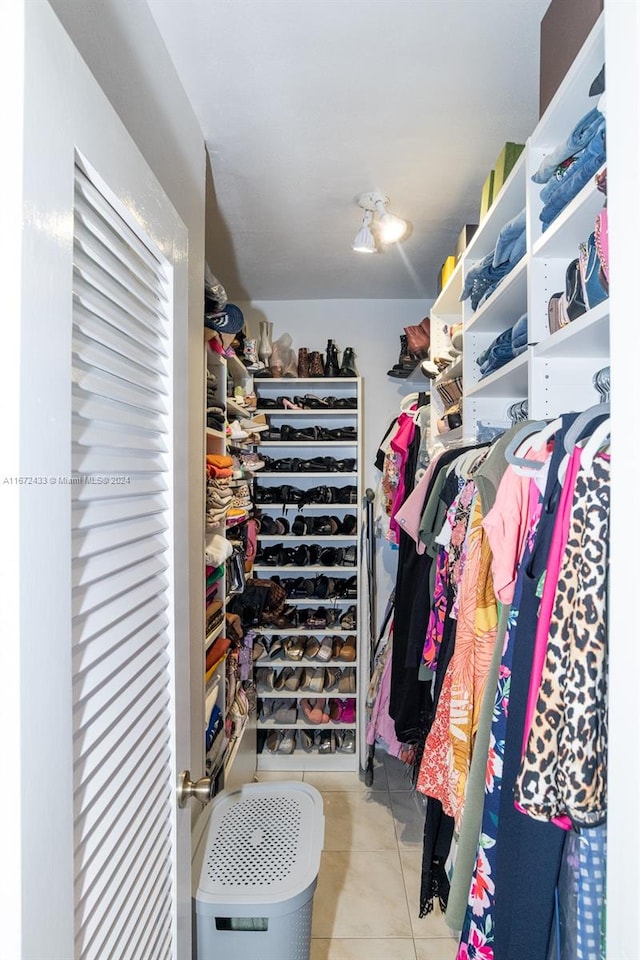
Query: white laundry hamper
[255, 872]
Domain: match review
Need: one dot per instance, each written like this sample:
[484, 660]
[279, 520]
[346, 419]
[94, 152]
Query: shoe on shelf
[348, 365]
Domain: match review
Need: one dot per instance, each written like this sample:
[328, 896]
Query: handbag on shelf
[557, 312]
[601, 234]
[589, 261]
[574, 294]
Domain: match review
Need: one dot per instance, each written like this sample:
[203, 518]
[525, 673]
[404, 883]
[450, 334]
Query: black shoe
[348, 367]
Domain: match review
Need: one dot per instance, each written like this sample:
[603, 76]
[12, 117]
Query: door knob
[199, 789]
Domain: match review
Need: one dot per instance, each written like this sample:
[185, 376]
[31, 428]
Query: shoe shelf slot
[279, 474]
[449, 373]
[318, 601]
[303, 631]
[305, 694]
[281, 662]
[308, 506]
[315, 412]
[267, 568]
[304, 724]
[306, 443]
[328, 538]
[218, 434]
[294, 382]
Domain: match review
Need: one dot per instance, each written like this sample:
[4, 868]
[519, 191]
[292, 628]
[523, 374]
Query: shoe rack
[230, 730]
[308, 665]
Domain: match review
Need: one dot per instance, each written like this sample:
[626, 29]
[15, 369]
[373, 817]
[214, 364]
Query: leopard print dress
[564, 767]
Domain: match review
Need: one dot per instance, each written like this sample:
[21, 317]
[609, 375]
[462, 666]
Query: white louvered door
[121, 627]
[104, 543]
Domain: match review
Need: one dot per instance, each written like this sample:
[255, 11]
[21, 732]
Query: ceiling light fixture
[388, 228]
[365, 241]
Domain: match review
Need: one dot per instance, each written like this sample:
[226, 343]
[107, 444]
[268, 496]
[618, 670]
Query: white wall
[121, 45]
[372, 328]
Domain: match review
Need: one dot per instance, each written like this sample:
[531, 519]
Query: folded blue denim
[520, 342]
[580, 173]
[502, 341]
[510, 239]
[577, 140]
[519, 328]
[567, 170]
[495, 365]
[520, 349]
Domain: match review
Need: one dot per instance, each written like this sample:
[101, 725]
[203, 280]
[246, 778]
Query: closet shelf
[588, 336]
[325, 538]
[307, 443]
[576, 220]
[294, 382]
[310, 569]
[305, 662]
[510, 379]
[508, 204]
[313, 761]
[303, 695]
[320, 412]
[324, 507]
[280, 475]
[453, 370]
[215, 633]
[505, 305]
[213, 670]
[306, 631]
[447, 303]
[305, 725]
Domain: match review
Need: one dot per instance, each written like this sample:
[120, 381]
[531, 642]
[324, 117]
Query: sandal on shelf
[336, 646]
[350, 556]
[332, 679]
[312, 402]
[315, 680]
[287, 741]
[275, 647]
[327, 742]
[306, 740]
[316, 619]
[293, 648]
[293, 677]
[348, 711]
[264, 679]
[313, 711]
[259, 646]
[348, 620]
[347, 741]
[285, 711]
[325, 651]
[273, 741]
[311, 649]
[348, 649]
[347, 681]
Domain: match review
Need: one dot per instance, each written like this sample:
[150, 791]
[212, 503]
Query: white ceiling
[305, 104]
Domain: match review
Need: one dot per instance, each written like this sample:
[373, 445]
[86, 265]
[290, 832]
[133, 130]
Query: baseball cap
[229, 320]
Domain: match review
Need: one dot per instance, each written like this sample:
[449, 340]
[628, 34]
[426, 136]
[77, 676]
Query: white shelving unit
[556, 372]
[222, 759]
[339, 387]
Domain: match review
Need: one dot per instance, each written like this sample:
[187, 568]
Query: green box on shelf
[487, 196]
[505, 164]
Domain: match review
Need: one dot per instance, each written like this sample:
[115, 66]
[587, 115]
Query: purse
[557, 312]
[593, 291]
[574, 295]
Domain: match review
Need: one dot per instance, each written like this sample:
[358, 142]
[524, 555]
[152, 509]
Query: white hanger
[407, 402]
[594, 443]
[539, 440]
[582, 421]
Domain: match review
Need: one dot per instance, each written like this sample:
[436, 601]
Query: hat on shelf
[229, 320]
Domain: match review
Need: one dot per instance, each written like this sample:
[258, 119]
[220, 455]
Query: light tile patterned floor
[365, 906]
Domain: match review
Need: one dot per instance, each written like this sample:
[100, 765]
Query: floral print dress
[477, 936]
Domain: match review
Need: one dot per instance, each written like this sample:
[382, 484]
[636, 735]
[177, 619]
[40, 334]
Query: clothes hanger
[407, 402]
[545, 434]
[597, 439]
[528, 429]
[582, 421]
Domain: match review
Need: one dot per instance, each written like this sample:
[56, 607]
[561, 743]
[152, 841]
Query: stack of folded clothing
[507, 345]
[572, 164]
[483, 278]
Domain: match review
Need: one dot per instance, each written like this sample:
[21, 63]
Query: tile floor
[365, 906]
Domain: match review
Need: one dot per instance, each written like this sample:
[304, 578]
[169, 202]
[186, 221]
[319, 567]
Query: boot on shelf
[331, 365]
[303, 362]
[316, 364]
[348, 367]
[406, 361]
[252, 361]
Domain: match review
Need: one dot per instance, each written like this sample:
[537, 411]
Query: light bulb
[392, 228]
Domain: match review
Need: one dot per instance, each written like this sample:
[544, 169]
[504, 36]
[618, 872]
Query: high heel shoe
[313, 710]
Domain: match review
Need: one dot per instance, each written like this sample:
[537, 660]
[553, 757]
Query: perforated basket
[256, 870]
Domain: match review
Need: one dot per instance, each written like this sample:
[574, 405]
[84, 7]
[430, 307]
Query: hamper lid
[263, 844]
